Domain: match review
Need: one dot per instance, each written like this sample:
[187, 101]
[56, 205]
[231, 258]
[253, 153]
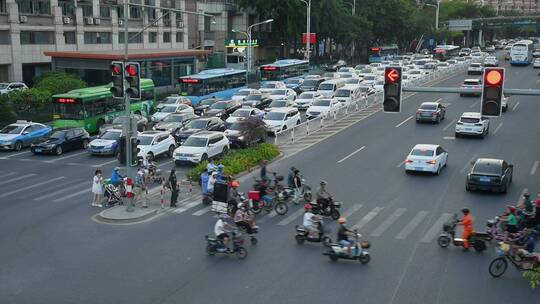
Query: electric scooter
[477, 239]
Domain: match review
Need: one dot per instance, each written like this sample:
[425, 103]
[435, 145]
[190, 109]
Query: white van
[349, 94]
[329, 87]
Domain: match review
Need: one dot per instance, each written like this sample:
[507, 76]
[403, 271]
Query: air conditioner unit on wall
[89, 20]
[180, 24]
[120, 21]
[97, 21]
[67, 20]
[23, 19]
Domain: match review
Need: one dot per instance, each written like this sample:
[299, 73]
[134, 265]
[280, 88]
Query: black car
[223, 109]
[490, 174]
[258, 101]
[118, 122]
[197, 125]
[335, 66]
[204, 105]
[174, 122]
[311, 85]
[62, 140]
[245, 133]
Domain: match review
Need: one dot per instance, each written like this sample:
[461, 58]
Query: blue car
[295, 84]
[106, 143]
[22, 134]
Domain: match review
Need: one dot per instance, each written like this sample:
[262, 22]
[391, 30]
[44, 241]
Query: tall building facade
[527, 7]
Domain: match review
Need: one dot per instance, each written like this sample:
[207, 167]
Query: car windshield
[470, 120]
[58, 135]
[207, 102]
[241, 113]
[169, 100]
[242, 93]
[306, 96]
[442, 64]
[197, 124]
[196, 142]
[269, 85]
[11, 129]
[236, 127]
[322, 103]
[219, 106]
[255, 97]
[3, 85]
[168, 109]
[278, 104]
[326, 86]
[310, 83]
[343, 93]
[346, 75]
[275, 116]
[175, 118]
[370, 77]
[428, 107]
[110, 135]
[294, 81]
[486, 168]
[145, 140]
[422, 152]
[278, 92]
[475, 65]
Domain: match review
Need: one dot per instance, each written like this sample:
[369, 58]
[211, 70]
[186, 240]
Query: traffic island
[119, 215]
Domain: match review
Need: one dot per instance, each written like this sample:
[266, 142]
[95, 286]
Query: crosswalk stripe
[7, 174]
[31, 186]
[388, 222]
[202, 211]
[418, 218]
[73, 195]
[17, 178]
[368, 217]
[186, 207]
[436, 228]
[286, 221]
[64, 189]
[352, 210]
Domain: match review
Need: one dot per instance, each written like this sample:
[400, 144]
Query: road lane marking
[538, 81]
[516, 105]
[418, 218]
[8, 174]
[64, 157]
[449, 137]
[498, 127]
[202, 211]
[72, 195]
[165, 163]
[64, 189]
[436, 228]
[438, 100]
[449, 124]
[346, 157]
[388, 222]
[401, 123]
[186, 207]
[286, 221]
[20, 153]
[17, 178]
[400, 164]
[468, 163]
[474, 104]
[534, 167]
[107, 163]
[352, 210]
[368, 217]
[32, 186]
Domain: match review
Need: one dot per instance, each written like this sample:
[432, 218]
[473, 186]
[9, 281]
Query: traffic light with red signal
[492, 92]
[392, 90]
[133, 79]
[117, 73]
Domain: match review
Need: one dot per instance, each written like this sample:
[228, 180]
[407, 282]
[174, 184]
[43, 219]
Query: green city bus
[92, 107]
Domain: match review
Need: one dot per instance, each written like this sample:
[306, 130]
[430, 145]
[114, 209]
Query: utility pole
[128, 134]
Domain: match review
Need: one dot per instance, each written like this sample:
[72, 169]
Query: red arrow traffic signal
[392, 75]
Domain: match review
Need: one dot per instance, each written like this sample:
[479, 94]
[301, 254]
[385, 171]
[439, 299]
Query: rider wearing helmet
[220, 229]
[467, 223]
[309, 220]
[116, 177]
[242, 218]
[323, 196]
[343, 235]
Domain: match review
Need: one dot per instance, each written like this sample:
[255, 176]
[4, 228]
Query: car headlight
[241, 137]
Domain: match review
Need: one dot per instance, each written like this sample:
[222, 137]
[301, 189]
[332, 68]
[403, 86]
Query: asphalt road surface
[52, 252]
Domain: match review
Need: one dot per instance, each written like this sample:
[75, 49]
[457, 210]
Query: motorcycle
[358, 251]
[256, 204]
[215, 246]
[477, 239]
[305, 193]
[496, 234]
[302, 235]
[331, 210]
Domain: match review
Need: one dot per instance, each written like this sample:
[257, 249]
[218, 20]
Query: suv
[472, 123]
[62, 140]
[471, 84]
[200, 147]
[490, 174]
[197, 125]
[281, 119]
[22, 133]
[8, 87]
[154, 143]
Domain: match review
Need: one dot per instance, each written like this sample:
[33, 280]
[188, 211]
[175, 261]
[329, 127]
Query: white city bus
[521, 53]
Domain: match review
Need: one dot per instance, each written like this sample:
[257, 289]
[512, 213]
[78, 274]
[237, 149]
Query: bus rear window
[192, 89]
[67, 110]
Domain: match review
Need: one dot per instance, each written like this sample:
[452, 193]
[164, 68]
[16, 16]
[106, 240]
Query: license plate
[426, 114]
[468, 129]
[485, 179]
[182, 158]
[38, 150]
[418, 168]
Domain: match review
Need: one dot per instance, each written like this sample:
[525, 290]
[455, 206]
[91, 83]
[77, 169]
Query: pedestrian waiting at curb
[141, 188]
[97, 189]
[211, 166]
[173, 185]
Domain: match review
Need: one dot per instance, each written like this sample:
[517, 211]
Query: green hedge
[239, 160]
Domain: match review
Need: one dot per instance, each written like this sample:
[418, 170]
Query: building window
[3, 7]
[179, 36]
[120, 12]
[167, 37]
[28, 37]
[68, 7]
[151, 12]
[86, 10]
[104, 11]
[70, 38]
[34, 7]
[97, 37]
[135, 12]
[152, 37]
[4, 37]
[133, 37]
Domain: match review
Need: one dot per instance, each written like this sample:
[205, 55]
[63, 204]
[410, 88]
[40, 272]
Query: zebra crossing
[375, 222]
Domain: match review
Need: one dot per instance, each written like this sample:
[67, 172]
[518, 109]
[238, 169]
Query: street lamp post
[353, 7]
[247, 50]
[249, 47]
[308, 29]
[436, 13]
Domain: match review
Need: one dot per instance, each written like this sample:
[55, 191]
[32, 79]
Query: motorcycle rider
[343, 235]
[467, 223]
[220, 230]
[116, 178]
[323, 196]
[309, 221]
[242, 219]
[290, 178]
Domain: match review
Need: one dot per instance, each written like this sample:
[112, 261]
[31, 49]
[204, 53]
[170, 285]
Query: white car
[281, 119]
[426, 158]
[7, 87]
[279, 104]
[356, 80]
[378, 85]
[475, 68]
[244, 113]
[154, 143]
[415, 74]
[370, 79]
[330, 75]
[536, 63]
[240, 95]
[323, 107]
[173, 100]
[347, 75]
[477, 56]
[347, 70]
[172, 109]
[443, 65]
[268, 86]
[289, 94]
[201, 146]
[305, 100]
[472, 123]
